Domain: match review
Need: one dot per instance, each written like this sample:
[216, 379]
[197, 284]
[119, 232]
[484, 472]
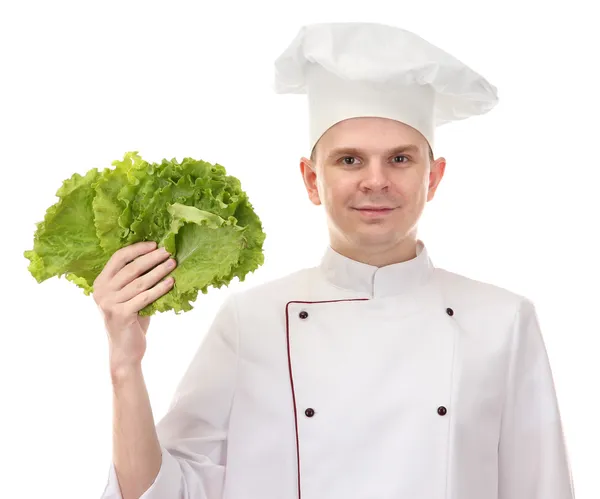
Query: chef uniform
[349, 381]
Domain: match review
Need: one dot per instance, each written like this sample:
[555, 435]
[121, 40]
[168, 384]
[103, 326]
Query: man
[375, 374]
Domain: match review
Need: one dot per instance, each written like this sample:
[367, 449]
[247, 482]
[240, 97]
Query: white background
[84, 82]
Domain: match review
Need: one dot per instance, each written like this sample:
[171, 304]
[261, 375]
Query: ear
[309, 175]
[435, 176]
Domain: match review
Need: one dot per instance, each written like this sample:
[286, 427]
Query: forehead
[370, 132]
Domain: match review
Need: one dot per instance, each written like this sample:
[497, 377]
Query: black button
[303, 314]
[442, 410]
[309, 413]
[450, 312]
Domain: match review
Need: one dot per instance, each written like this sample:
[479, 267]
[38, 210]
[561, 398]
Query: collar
[377, 282]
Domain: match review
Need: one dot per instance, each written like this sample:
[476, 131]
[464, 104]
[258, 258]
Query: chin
[375, 234]
[377, 238]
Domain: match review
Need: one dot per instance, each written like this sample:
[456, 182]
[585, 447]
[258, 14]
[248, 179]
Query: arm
[136, 450]
[192, 434]
[533, 460]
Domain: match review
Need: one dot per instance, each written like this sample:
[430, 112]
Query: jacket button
[309, 413]
[450, 312]
[442, 410]
[303, 314]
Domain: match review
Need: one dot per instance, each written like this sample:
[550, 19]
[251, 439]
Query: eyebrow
[355, 151]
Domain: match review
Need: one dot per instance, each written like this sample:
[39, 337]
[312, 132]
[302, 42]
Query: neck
[378, 256]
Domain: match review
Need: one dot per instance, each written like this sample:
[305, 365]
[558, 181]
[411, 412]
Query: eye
[348, 157]
[401, 156]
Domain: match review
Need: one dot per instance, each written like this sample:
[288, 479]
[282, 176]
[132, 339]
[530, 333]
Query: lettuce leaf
[193, 208]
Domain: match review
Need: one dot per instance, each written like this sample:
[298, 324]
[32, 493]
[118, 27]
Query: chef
[375, 374]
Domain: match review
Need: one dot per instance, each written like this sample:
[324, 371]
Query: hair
[313, 154]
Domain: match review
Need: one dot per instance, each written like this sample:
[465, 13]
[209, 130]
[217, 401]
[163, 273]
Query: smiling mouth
[374, 208]
[374, 211]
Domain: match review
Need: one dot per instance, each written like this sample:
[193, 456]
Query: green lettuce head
[194, 209]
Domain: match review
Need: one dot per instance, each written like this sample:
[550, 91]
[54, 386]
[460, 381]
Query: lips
[374, 211]
[375, 208]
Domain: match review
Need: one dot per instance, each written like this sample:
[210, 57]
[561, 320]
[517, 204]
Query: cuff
[166, 485]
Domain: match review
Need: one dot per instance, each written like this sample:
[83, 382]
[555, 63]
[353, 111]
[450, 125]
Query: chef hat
[358, 69]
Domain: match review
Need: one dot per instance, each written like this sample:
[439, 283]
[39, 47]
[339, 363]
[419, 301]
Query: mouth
[375, 211]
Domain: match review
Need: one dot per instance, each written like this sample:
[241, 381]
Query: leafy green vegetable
[194, 209]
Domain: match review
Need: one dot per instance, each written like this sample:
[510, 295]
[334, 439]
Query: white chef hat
[357, 69]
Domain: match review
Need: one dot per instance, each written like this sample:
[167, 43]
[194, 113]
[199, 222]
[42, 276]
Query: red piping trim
[287, 333]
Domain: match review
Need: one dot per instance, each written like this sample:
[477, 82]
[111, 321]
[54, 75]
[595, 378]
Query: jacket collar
[376, 282]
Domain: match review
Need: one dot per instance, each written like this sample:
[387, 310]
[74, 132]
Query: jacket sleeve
[193, 432]
[533, 459]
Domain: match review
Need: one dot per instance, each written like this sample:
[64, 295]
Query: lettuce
[194, 209]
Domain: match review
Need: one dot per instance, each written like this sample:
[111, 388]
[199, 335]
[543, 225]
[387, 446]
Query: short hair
[313, 155]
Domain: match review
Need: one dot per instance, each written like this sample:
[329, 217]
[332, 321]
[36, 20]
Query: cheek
[416, 197]
[414, 190]
[334, 191]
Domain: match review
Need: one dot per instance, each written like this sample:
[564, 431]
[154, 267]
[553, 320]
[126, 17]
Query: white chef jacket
[348, 381]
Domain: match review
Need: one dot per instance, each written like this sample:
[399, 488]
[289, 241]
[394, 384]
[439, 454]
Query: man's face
[373, 191]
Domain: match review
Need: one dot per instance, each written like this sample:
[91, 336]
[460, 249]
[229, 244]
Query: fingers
[132, 279]
[139, 301]
[122, 257]
[137, 267]
[145, 282]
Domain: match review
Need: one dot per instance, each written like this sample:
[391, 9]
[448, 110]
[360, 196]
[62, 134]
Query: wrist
[120, 372]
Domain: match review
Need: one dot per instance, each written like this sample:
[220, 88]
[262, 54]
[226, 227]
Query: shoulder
[481, 305]
[477, 293]
[277, 292]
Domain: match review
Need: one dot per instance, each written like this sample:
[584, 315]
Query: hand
[129, 281]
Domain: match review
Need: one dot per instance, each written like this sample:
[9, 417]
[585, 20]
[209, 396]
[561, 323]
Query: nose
[375, 177]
